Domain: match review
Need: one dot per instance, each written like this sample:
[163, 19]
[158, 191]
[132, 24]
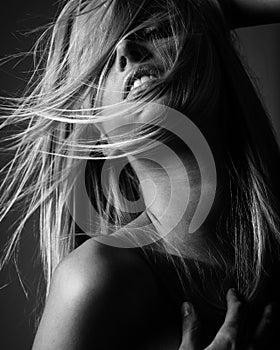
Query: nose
[129, 53]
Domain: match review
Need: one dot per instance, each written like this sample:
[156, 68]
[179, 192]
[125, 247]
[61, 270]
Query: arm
[245, 13]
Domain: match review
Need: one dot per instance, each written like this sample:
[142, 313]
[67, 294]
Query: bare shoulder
[98, 290]
[95, 264]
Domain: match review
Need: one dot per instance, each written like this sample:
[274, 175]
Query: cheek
[109, 97]
[112, 90]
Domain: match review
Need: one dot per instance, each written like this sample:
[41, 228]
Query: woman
[178, 55]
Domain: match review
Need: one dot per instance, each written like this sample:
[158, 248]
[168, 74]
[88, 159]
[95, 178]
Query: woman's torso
[168, 327]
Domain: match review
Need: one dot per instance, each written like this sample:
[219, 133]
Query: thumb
[190, 328]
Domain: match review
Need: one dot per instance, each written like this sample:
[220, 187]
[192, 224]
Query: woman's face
[136, 65]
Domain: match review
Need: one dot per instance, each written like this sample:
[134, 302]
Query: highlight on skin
[59, 124]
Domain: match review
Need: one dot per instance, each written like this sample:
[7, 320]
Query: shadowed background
[261, 49]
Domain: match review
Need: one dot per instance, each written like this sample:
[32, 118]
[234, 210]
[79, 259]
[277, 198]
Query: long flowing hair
[58, 122]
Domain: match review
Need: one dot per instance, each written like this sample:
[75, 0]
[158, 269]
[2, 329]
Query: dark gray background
[260, 45]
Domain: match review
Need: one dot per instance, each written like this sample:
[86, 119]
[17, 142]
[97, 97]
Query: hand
[228, 335]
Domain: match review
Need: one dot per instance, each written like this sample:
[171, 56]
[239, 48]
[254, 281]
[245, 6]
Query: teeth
[141, 81]
[136, 83]
[145, 79]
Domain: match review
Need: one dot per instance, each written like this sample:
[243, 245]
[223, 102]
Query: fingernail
[186, 309]
[233, 292]
[268, 310]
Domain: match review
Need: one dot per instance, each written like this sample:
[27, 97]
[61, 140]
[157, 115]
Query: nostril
[131, 52]
[123, 63]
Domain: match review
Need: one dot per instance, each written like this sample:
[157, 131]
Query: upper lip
[137, 73]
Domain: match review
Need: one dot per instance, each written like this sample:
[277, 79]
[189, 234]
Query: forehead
[131, 13]
[150, 7]
[114, 18]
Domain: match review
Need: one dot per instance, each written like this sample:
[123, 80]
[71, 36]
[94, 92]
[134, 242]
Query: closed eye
[152, 33]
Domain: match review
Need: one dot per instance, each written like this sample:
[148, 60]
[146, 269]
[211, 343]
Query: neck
[171, 193]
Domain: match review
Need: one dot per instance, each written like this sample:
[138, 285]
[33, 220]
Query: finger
[190, 328]
[235, 309]
[230, 332]
[265, 322]
[263, 334]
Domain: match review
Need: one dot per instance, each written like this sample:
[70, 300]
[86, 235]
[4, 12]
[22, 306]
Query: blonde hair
[59, 120]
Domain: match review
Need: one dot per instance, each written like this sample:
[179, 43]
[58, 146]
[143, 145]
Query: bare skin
[107, 298]
[192, 246]
[139, 314]
[231, 332]
[95, 278]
